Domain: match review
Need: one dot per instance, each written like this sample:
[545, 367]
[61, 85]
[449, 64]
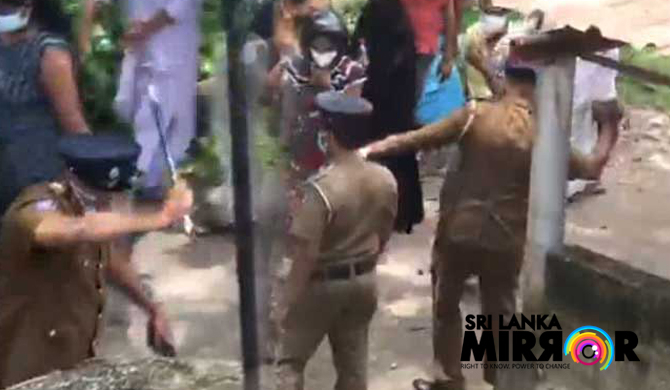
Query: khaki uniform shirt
[485, 202]
[349, 209]
[51, 300]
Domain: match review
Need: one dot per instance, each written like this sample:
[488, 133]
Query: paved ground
[639, 22]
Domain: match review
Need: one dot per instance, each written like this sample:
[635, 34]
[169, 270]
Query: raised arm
[428, 137]
[452, 27]
[86, 25]
[57, 230]
[591, 166]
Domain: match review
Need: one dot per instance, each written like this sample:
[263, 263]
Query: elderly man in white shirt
[162, 49]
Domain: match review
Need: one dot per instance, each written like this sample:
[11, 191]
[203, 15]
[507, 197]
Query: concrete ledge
[586, 288]
[611, 292]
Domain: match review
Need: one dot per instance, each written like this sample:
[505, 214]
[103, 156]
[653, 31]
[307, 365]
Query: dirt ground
[638, 22]
[197, 281]
[631, 221]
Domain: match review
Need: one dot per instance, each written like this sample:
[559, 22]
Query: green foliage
[637, 93]
[206, 167]
[99, 72]
[350, 10]
[212, 38]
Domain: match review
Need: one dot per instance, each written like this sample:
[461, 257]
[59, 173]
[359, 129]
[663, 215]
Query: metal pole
[236, 31]
[549, 174]
[546, 219]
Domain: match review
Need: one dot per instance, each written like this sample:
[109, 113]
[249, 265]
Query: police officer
[342, 223]
[484, 208]
[55, 253]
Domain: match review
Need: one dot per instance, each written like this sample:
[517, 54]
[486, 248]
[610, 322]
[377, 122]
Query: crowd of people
[341, 107]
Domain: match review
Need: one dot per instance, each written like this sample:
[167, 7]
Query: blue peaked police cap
[346, 116]
[104, 162]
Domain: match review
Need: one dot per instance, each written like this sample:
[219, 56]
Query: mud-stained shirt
[486, 200]
[51, 300]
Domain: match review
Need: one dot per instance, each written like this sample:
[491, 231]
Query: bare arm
[58, 81]
[56, 229]
[452, 27]
[428, 137]
[142, 30]
[86, 26]
[591, 166]
[122, 273]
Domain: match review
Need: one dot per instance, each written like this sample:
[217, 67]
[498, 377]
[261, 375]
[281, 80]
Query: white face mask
[14, 22]
[325, 59]
[322, 141]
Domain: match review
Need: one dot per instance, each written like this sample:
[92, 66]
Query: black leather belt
[345, 271]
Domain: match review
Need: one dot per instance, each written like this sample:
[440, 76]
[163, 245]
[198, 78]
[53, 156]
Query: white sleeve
[179, 9]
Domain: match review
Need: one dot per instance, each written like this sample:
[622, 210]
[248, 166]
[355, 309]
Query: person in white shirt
[162, 49]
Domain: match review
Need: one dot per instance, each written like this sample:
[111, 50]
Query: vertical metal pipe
[549, 174]
[236, 32]
[546, 219]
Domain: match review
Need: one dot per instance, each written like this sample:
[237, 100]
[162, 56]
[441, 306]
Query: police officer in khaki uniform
[484, 208]
[55, 249]
[341, 224]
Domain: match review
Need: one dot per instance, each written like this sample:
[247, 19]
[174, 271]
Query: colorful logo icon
[590, 345]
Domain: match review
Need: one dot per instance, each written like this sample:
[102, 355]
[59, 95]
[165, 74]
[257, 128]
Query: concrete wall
[585, 288]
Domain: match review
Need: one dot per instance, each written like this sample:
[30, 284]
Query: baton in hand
[158, 117]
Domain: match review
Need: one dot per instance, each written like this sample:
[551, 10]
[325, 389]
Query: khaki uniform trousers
[340, 310]
[453, 263]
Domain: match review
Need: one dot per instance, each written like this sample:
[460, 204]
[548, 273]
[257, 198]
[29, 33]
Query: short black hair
[346, 117]
[351, 140]
[50, 16]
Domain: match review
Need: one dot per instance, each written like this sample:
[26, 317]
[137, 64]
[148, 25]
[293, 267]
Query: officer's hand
[178, 203]
[159, 334]
[364, 152]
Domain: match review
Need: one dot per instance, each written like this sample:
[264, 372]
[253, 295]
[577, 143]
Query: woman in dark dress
[387, 34]
[38, 94]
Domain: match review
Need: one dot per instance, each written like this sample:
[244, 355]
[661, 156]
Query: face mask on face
[322, 141]
[323, 59]
[14, 22]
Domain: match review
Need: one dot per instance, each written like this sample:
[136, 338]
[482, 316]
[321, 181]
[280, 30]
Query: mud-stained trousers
[453, 263]
[342, 312]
